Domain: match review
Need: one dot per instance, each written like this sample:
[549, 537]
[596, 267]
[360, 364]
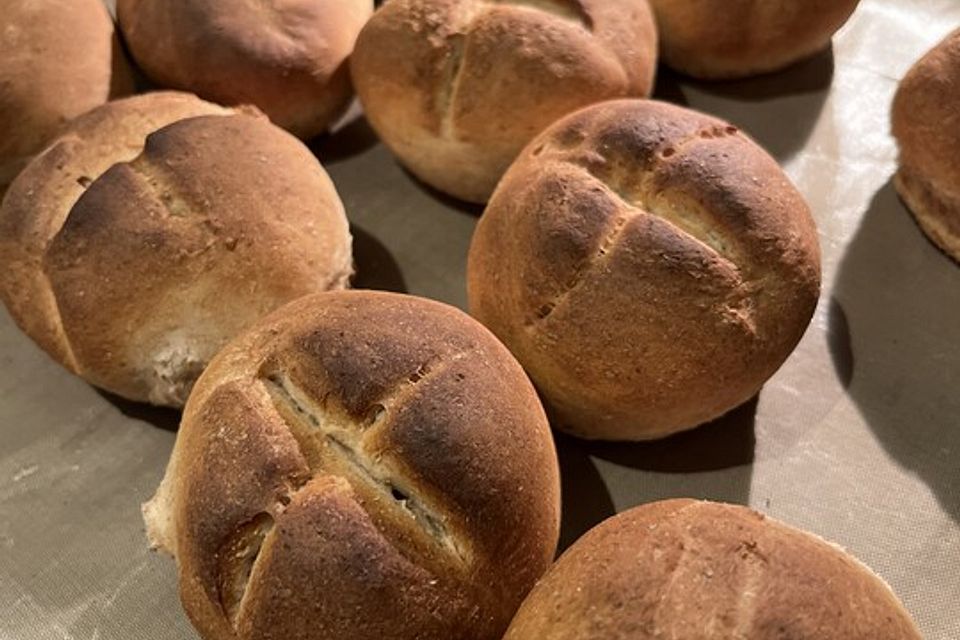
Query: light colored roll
[650, 266]
[58, 59]
[456, 88]
[287, 57]
[688, 569]
[132, 263]
[926, 124]
[359, 465]
[718, 39]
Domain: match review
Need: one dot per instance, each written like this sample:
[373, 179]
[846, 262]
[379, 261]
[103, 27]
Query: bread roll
[40, 200]
[688, 569]
[134, 278]
[58, 58]
[359, 465]
[457, 87]
[926, 124]
[717, 39]
[650, 267]
[288, 58]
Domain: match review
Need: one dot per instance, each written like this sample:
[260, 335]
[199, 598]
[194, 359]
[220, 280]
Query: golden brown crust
[38, 202]
[456, 87]
[219, 221]
[926, 124]
[688, 569]
[58, 59]
[137, 283]
[396, 456]
[719, 39]
[649, 266]
[289, 59]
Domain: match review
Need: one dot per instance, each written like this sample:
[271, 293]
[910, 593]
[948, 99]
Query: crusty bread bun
[718, 39]
[58, 58]
[926, 124]
[133, 279]
[457, 87]
[689, 569]
[650, 267]
[288, 58]
[40, 200]
[361, 465]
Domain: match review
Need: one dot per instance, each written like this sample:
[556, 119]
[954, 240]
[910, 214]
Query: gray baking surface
[857, 438]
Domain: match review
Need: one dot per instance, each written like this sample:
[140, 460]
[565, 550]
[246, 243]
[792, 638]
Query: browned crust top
[736, 38]
[39, 201]
[688, 569]
[219, 221]
[652, 251]
[468, 82]
[406, 433]
[287, 58]
[462, 54]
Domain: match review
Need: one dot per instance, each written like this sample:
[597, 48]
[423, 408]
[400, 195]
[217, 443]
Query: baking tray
[856, 438]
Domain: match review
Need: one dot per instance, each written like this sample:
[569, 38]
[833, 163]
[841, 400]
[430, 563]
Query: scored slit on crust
[637, 196]
[571, 10]
[336, 445]
[333, 443]
[238, 560]
[470, 12]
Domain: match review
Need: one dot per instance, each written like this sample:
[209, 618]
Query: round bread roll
[288, 58]
[926, 124]
[40, 200]
[456, 88]
[361, 465]
[689, 569]
[650, 267]
[58, 59]
[720, 39]
[135, 278]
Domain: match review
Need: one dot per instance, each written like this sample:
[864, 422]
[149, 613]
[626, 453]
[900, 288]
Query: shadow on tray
[586, 500]
[711, 462]
[901, 298]
[375, 266]
[668, 87]
[161, 417]
[471, 208]
[351, 139]
[723, 443]
[782, 130]
[812, 75]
